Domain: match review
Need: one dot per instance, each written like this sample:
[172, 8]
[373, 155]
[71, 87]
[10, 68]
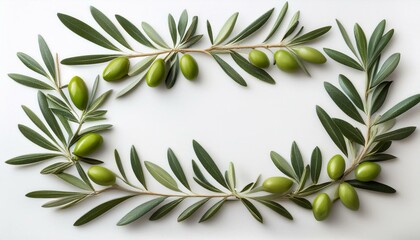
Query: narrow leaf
[50, 194]
[310, 36]
[213, 210]
[130, 87]
[277, 208]
[36, 138]
[346, 37]
[177, 169]
[151, 32]
[231, 177]
[332, 129]
[56, 168]
[35, 119]
[165, 209]
[64, 201]
[278, 21]
[210, 32]
[252, 209]
[119, 164]
[140, 211]
[162, 176]
[301, 202]
[294, 22]
[229, 70]
[141, 66]
[314, 188]
[227, 29]
[351, 91]
[283, 165]
[31, 63]
[343, 59]
[380, 47]
[251, 69]
[191, 209]
[202, 180]
[30, 82]
[387, 68]
[182, 23]
[31, 158]
[379, 157]
[136, 166]
[379, 96]
[372, 185]
[74, 181]
[173, 73]
[172, 28]
[85, 31]
[83, 175]
[47, 57]
[398, 134]
[349, 131]
[361, 42]
[133, 31]
[376, 37]
[89, 59]
[316, 164]
[297, 160]
[49, 117]
[191, 30]
[400, 108]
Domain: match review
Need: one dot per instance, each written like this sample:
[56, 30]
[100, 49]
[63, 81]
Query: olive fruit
[285, 61]
[116, 69]
[336, 167]
[88, 144]
[156, 73]
[258, 58]
[101, 175]
[277, 184]
[367, 171]
[348, 196]
[189, 67]
[78, 92]
[321, 206]
[310, 54]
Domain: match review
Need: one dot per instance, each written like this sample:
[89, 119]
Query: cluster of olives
[364, 172]
[118, 69]
[284, 59]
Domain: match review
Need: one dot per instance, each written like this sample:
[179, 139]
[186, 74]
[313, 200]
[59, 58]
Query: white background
[233, 123]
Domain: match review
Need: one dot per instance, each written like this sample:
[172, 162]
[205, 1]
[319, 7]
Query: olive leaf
[210, 32]
[314, 189]
[85, 31]
[89, 59]
[213, 210]
[343, 59]
[119, 164]
[177, 169]
[182, 23]
[56, 168]
[316, 164]
[297, 160]
[251, 69]
[201, 180]
[361, 42]
[229, 70]
[49, 117]
[400, 108]
[252, 209]
[294, 22]
[387, 68]
[398, 134]
[351, 91]
[346, 37]
[349, 131]
[276, 207]
[278, 21]
[32, 158]
[301, 202]
[162, 176]
[378, 157]
[51, 194]
[165, 209]
[310, 36]
[151, 32]
[133, 31]
[140, 211]
[283, 165]
[64, 202]
[372, 185]
[172, 28]
[191, 30]
[379, 96]
[47, 57]
[227, 29]
[30, 81]
[36, 138]
[380, 47]
[31, 63]
[37, 121]
[130, 87]
[231, 177]
[192, 209]
[332, 129]
[173, 73]
[376, 37]
[136, 166]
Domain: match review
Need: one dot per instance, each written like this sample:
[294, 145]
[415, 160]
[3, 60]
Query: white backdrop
[233, 123]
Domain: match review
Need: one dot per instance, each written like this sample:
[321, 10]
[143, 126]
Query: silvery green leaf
[172, 28]
[251, 69]
[83, 175]
[332, 129]
[85, 31]
[302, 202]
[89, 59]
[310, 36]
[156, 38]
[98, 102]
[398, 134]
[297, 160]
[56, 168]
[349, 131]
[387, 68]
[35, 119]
[51, 194]
[283, 165]
[192, 209]
[232, 73]
[400, 108]
[304, 177]
[361, 42]
[36, 138]
[130, 87]
[32, 64]
[380, 47]
[140, 211]
[182, 23]
[141, 65]
[231, 177]
[108, 26]
[252, 209]
[134, 32]
[201, 180]
[277, 208]
[299, 62]
[314, 188]
[376, 37]
[63, 201]
[343, 59]
[73, 181]
[191, 30]
[119, 164]
[31, 158]
[227, 29]
[346, 37]
[49, 116]
[278, 21]
[173, 73]
[379, 96]
[162, 176]
[212, 210]
[30, 81]
[191, 41]
[292, 25]
[379, 157]
[165, 209]
[177, 169]
[47, 56]
[372, 185]
[136, 166]
[351, 91]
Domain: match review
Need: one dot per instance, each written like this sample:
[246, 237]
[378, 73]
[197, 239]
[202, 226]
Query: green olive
[321, 206]
[367, 171]
[101, 176]
[310, 54]
[348, 196]
[258, 58]
[189, 67]
[88, 144]
[285, 61]
[116, 69]
[78, 92]
[277, 184]
[336, 167]
[156, 73]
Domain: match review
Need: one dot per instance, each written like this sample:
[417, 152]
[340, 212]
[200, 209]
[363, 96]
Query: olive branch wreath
[75, 146]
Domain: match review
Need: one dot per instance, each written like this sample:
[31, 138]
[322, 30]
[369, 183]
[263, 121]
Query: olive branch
[184, 37]
[300, 181]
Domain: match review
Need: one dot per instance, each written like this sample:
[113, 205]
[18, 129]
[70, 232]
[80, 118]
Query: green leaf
[83, 175]
[301, 202]
[303, 179]
[343, 102]
[64, 201]
[191, 41]
[134, 32]
[30, 82]
[400, 108]
[380, 47]
[141, 66]
[213, 210]
[379, 157]
[74, 181]
[182, 23]
[89, 59]
[343, 59]
[349, 131]
[277, 208]
[162, 176]
[136, 166]
[387, 68]
[31, 64]
[278, 21]
[172, 28]
[90, 161]
[35, 119]
[66, 126]
[210, 32]
[231, 177]
[376, 37]
[173, 73]
[49, 116]
[191, 209]
[97, 128]
[229, 70]
[36, 138]
[310, 36]
[31, 158]
[251, 69]
[191, 30]
[119, 164]
[156, 38]
[98, 102]
[379, 96]
[177, 169]
[47, 56]
[227, 29]
[381, 147]
[252, 209]
[140, 211]
[332, 129]
[51, 194]
[297, 160]
[208, 163]
[314, 189]
[100, 210]
[202, 180]
[361, 42]
[130, 87]
[372, 185]
[253, 27]
[316, 164]
[346, 37]
[108, 26]
[56, 168]
[165, 209]
[351, 91]
[294, 22]
[398, 134]
[85, 31]
[283, 165]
